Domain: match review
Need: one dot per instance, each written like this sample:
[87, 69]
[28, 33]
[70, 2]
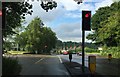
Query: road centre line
[39, 60]
[60, 59]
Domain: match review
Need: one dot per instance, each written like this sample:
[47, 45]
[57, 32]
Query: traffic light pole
[83, 53]
[86, 21]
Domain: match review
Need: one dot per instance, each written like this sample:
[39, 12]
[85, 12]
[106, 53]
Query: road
[42, 65]
[103, 67]
[52, 65]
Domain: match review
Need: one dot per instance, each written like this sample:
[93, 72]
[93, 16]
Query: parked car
[79, 54]
[73, 52]
[65, 52]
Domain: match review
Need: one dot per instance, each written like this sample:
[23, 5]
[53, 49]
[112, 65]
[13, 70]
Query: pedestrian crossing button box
[92, 63]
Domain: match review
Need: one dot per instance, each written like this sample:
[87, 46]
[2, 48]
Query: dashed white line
[60, 59]
[39, 60]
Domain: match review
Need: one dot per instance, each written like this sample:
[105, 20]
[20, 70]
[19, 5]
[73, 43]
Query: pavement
[75, 70]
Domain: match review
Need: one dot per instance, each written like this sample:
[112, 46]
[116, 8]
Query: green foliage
[101, 14]
[37, 38]
[49, 5]
[10, 66]
[78, 49]
[72, 51]
[105, 23]
[115, 51]
[110, 31]
[90, 50]
[7, 45]
[87, 49]
[14, 12]
[59, 44]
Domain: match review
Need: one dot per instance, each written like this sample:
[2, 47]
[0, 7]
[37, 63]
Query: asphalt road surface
[103, 66]
[42, 65]
[52, 65]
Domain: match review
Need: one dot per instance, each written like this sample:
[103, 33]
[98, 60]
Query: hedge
[10, 66]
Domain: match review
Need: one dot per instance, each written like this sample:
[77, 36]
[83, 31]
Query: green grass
[16, 52]
[114, 54]
[93, 53]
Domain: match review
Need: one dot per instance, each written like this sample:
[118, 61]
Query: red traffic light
[86, 20]
[87, 15]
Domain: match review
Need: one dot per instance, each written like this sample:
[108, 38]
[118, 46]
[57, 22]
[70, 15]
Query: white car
[79, 54]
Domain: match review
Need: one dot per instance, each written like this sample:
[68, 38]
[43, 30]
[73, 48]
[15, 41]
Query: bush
[71, 51]
[78, 49]
[90, 50]
[115, 51]
[10, 66]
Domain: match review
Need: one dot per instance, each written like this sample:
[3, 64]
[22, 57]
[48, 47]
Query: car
[65, 52]
[79, 54]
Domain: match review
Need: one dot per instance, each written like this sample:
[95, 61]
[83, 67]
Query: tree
[32, 34]
[110, 31]
[36, 37]
[13, 13]
[101, 14]
[49, 39]
[105, 25]
[48, 5]
[59, 44]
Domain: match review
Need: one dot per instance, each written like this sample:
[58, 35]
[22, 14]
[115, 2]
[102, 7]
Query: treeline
[34, 38]
[70, 44]
[106, 26]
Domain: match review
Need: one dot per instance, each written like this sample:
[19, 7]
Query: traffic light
[86, 20]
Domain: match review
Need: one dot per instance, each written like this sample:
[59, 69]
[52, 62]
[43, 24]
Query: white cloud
[92, 0]
[87, 7]
[70, 31]
[69, 5]
[67, 8]
[45, 16]
[103, 4]
[73, 15]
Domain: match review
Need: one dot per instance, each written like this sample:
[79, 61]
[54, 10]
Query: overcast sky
[65, 20]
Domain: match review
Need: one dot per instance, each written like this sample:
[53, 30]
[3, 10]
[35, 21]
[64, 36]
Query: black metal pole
[83, 54]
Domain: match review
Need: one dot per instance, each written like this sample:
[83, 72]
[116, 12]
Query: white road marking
[39, 60]
[60, 59]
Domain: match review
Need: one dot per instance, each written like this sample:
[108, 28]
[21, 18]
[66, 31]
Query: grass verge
[16, 52]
